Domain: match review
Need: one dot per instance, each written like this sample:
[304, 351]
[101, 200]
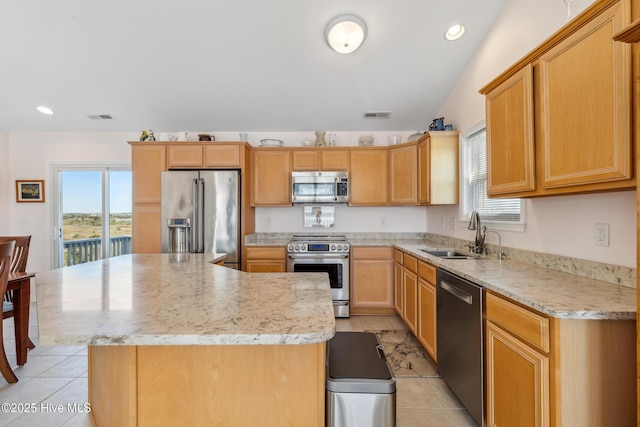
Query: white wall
[560, 225]
[30, 157]
[5, 185]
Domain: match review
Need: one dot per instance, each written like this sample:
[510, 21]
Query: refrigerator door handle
[200, 213]
[195, 225]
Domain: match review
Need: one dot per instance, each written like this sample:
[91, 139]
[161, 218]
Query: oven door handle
[315, 256]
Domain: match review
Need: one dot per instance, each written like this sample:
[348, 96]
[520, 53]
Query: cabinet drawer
[523, 323]
[427, 272]
[364, 252]
[398, 256]
[266, 252]
[411, 263]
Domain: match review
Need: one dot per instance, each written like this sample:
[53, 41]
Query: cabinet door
[146, 164]
[305, 160]
[368, 180]
[398, 296]
[145, 229]
[271, 178]
[426, 333]
[510, 135]
[372, 278]
[184, 156]
[423, 172]
[517, 382]
[403, 184]
[586, 105]
[334, 160]
[221, 156]
[410, 317]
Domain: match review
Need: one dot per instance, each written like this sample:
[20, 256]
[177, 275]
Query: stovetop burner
[318, 238]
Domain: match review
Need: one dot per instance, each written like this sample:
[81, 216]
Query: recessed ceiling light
[454, 32]
[45, 110]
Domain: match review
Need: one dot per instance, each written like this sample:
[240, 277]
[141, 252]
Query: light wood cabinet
[271, 177]
[425, 172]
[403, 181]
[147, 162]
[517, 382]
[185, 156]
[372, 273]
[572, 149]
[327, 159]
[554, 128]
[398, 300]
[543, 371]
[410, 285]
[438, 172]
[510, 143]
[369, 176]
[426, 327]
[266, 259]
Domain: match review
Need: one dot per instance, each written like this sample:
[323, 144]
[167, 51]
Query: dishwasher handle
[458, 293]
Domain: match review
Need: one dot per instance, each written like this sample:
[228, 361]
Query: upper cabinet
[369, 176]
[184, 156]
[327, 159]
[271, 177]
[425, 172]
[559, 121]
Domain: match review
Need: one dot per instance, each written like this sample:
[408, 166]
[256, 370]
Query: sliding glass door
[93, 213]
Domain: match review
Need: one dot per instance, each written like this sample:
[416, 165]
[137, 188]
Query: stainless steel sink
[450, 254]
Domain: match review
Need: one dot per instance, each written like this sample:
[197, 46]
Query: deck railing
[86, 250]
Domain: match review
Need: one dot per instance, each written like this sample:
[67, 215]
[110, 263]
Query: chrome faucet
[475, 224]
[481, 234]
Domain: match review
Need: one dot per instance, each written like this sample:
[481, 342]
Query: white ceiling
[216, 65]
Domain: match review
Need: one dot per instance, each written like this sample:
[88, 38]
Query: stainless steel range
[324, 254]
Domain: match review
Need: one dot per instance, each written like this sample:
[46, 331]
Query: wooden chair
[18, 264]
[6, 250]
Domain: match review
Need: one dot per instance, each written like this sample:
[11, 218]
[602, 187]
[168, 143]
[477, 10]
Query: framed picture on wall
[30, 191]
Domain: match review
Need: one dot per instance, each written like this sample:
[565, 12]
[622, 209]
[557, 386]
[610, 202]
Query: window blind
[475, 184]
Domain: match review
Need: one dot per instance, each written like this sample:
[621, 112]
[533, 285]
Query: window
[474, 191]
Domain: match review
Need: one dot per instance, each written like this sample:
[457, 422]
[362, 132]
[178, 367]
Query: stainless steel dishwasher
[460, 339]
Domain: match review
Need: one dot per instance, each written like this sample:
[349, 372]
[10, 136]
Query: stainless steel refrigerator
[205, 207]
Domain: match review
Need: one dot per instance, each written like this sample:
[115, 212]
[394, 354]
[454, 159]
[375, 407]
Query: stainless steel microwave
[320, 187]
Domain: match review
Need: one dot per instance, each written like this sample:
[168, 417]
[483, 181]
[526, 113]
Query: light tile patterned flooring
[57, 375]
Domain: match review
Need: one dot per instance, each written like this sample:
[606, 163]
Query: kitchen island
[176, 340]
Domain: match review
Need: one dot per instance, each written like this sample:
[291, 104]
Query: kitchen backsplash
[618, 275]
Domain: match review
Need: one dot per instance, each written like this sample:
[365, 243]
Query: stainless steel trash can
[360, 386]
[179, 234]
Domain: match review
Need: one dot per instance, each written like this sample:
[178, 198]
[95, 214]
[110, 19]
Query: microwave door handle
[335, 189]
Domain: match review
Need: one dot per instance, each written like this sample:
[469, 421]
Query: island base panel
[240, 385]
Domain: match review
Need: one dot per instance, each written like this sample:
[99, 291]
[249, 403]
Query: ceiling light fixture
[44, 110]
[345, 33]
[454, 32]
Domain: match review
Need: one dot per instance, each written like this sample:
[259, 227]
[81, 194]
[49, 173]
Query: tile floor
[57, 375]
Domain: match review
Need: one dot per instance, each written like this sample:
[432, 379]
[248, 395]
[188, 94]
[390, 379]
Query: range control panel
[318, 247]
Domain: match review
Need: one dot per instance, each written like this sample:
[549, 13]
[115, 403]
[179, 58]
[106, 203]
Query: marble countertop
[558, 294]
[180, 299]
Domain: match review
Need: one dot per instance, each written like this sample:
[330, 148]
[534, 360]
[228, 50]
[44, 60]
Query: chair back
[6, 250]
[20, 252]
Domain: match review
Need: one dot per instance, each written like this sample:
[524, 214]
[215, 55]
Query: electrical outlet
[602, 234]
[268, 221]
[452, 222]
[443, 224]
[383, 221]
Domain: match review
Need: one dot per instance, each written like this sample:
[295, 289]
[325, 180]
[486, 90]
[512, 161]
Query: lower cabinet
[372, 270]
[410, 285]
[426, 328]
[543, 371]
[266, 259]
[398, 288]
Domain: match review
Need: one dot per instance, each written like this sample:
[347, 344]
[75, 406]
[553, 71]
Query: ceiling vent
[100, 116]
[377, 115]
